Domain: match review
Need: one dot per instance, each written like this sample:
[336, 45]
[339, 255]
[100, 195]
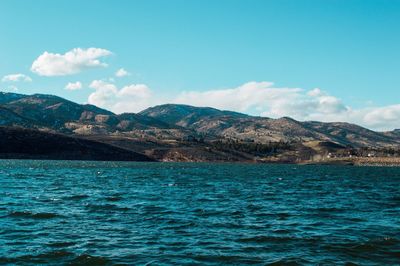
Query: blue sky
[189, 51]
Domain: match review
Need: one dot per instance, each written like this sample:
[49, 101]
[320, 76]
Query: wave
[62, 257]
[40, 215]
[77, 197]
[106, 207]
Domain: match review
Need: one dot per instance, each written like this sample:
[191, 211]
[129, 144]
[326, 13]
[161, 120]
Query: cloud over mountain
[265, 99]
[73, 86]
[261, 98]
[16, 78]
[257, 98]
[72, 62]
[130, 98]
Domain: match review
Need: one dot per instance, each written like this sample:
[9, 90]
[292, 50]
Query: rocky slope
[237, 126]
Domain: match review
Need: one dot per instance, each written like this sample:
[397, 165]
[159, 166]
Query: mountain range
[174, 132]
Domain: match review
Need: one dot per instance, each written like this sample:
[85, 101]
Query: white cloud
[131, 98]
[121, 73]
[16, 78]
[387, 117]
[257, 98]
[73, 86]
[72, 62]
[262, 98]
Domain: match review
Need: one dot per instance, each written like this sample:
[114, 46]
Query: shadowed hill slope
[18, 143]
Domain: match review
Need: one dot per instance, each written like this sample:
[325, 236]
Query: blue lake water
[106, 213]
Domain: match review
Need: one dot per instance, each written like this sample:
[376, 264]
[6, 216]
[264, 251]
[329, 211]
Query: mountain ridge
[173, 130]
[285, 128]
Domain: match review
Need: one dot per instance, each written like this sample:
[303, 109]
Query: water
[105, 213]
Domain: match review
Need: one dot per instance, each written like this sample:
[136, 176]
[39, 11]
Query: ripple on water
[106, 207]
[76, 197]
[86, 259]
[385, 246]
[114, 198]
[61, 244]
[42, 258]
[31, 215]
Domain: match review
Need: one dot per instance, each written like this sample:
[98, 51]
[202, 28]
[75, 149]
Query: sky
[326, 60]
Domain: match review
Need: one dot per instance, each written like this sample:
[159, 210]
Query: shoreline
[381, 161]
